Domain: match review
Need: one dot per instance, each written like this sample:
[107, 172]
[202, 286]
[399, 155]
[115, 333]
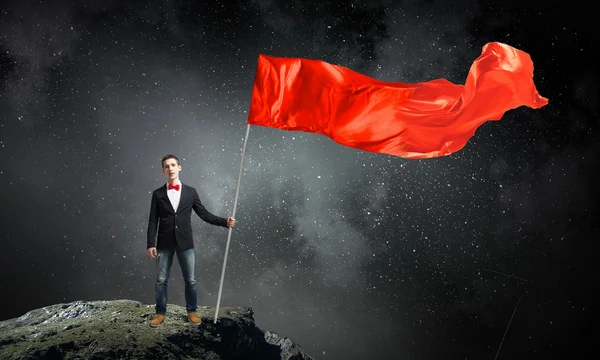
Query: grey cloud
[311, 199]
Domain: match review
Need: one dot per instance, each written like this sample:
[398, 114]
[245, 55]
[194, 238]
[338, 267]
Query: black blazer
[175, 228]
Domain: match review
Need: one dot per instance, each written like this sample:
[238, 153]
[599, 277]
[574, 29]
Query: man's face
[171, 169]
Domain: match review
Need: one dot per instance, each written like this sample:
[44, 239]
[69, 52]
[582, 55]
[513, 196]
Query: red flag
[422, 120]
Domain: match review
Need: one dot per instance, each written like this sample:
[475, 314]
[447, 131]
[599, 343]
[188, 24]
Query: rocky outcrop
[120, 329]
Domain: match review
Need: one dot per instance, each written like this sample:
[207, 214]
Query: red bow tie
[176, 187]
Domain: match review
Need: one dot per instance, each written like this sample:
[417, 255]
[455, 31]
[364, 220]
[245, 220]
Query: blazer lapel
[169, 205]
[184, 192]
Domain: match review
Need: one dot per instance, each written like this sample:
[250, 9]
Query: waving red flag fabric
[422, 120]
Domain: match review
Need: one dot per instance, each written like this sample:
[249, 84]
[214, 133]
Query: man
[171, 211]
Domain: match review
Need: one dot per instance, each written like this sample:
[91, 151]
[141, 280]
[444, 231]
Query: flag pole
[237, 192]
[511, 319]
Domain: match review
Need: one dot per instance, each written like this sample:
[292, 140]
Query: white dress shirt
[174, 195]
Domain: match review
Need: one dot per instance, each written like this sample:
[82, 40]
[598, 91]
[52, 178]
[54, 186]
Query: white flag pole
[237, 192]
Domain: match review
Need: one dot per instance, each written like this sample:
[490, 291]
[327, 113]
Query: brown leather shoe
[194, 319]
[157, 320]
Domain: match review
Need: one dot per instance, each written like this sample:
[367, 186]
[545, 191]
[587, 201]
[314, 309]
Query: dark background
[351, 254]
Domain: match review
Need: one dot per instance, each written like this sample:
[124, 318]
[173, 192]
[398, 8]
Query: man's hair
[167, 157]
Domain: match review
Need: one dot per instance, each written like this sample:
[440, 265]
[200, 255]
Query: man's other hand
[230, 222]
[152, 252]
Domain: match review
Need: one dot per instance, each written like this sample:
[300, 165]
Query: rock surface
[120, 329]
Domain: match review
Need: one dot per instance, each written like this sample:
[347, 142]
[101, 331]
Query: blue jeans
[187, 261]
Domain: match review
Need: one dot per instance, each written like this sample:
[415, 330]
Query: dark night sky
[351, 254]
